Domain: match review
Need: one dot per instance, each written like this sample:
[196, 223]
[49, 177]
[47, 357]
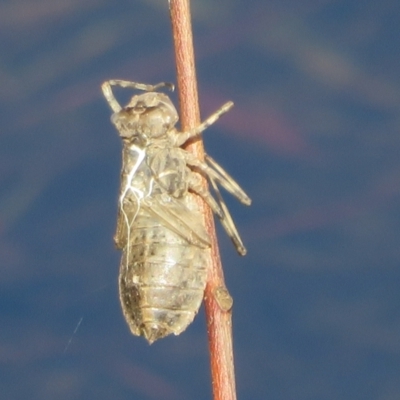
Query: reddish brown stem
[217, 299]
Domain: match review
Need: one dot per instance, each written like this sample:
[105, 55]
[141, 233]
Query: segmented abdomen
[162, 279]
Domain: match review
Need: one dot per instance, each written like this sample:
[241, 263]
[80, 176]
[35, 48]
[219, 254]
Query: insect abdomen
[162, 280]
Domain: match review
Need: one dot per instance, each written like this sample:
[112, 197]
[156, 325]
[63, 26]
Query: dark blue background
[314, 138]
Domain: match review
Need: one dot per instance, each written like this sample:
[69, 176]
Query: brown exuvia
[165, 247]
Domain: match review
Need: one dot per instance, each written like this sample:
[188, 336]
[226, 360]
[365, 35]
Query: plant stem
[218, 303]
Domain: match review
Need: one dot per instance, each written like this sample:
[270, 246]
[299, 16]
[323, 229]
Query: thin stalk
[218, 303]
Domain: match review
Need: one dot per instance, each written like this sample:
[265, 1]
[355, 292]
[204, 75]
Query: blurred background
[313, 138]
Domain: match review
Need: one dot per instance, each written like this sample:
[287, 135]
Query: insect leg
[140, 86]
[227, 221]
[120, 236]
[196, 186]
[219, 175]
[108, 94]
[183, 137]
[244, 198]
[219, 208]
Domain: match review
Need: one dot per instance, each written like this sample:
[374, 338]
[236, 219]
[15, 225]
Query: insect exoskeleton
[160, 231]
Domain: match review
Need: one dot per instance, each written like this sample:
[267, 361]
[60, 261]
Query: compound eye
[155, 117]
